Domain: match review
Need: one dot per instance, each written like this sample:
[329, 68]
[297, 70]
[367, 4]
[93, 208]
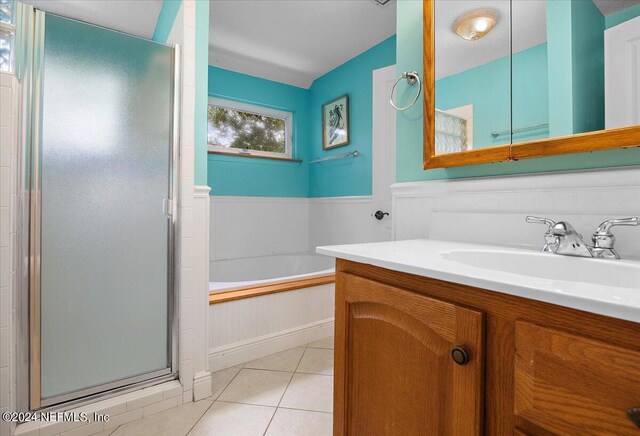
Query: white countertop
[605, 287]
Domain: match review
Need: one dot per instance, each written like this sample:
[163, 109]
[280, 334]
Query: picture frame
[335, 123]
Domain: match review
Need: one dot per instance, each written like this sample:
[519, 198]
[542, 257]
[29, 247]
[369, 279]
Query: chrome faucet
[562, 238]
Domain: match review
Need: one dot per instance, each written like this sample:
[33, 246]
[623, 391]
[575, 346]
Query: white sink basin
[607, 287]
[547, 266]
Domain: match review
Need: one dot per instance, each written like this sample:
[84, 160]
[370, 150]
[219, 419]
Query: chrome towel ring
[412, 78]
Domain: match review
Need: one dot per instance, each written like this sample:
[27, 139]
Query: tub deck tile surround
[250, 291]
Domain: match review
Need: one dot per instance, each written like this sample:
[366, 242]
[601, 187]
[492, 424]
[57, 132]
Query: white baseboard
[202, 385]
[255, 348]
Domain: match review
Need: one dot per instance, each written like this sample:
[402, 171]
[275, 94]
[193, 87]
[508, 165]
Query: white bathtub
[251, 328]
[231, 273]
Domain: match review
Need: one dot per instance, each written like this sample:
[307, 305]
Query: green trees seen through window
[231, 128]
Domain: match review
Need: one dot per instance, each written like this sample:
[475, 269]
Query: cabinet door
[395, 374]
[567, 384]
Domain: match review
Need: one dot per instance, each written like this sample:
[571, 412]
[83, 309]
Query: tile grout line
[285, 390]
[214, 400]
[314, 373]
[274, 407]
[315, 348]
[306, 410]
[278, 370]
[246, 404]
[321, 348]
[198, 420]
[230, 381]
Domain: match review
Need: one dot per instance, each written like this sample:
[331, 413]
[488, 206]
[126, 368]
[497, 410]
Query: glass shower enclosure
[102, 169]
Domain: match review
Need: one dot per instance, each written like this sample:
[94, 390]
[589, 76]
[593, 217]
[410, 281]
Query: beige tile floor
[285, 394]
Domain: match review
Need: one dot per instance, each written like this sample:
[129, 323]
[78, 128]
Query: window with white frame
[241, 128]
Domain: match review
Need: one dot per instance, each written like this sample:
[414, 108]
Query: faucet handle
[551, 240]
[538, 220]
[605, 227]
[604, 240]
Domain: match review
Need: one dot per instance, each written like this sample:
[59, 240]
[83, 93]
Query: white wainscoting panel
[200, 313]
[258, 226]
[344, 220]
[251, 328]
[493, 210]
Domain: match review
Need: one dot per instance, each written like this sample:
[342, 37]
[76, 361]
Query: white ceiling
[608, 7]
[297, 41]
[454, 54]
[294, 42]
[134, 17]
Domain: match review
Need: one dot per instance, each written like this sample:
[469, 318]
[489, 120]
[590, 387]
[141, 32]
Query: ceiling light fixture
[475, 24]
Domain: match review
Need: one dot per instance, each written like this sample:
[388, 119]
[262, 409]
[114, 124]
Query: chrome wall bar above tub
[336, 156]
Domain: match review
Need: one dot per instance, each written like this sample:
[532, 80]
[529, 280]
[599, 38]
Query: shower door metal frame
[31, 249]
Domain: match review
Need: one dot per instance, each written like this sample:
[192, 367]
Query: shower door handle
[167, 207]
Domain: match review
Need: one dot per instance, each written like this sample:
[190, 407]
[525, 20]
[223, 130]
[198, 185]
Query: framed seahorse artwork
[335, 123]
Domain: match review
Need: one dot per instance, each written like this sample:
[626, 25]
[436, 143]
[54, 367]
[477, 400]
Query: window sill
[254, 156]
[270, 288]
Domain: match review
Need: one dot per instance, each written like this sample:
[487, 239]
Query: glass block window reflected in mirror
[7, 34]
[451, 133]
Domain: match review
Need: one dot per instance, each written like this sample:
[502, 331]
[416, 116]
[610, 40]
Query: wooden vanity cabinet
[419, 356]
[397, 375]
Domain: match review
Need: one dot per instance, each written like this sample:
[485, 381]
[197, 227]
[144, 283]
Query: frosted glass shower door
[105, 171]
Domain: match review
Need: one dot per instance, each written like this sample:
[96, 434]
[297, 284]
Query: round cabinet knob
[633, 413]
[460, 356]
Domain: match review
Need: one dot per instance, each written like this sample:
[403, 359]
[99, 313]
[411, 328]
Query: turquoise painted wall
[347, 177]
[409, 124]
[560, 64]
[236, 175]
[530, 93]
[576, 67]
[588, 66]
[166, 19]
[622, 16]
[487, 87]
[202, 83]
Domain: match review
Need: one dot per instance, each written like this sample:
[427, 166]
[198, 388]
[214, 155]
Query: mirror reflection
[472, 88]
[523, 70]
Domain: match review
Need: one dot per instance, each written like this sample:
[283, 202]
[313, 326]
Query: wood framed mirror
[509, 80]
